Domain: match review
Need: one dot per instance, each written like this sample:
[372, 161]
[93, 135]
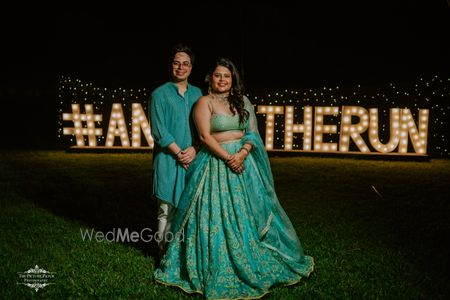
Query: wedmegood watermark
[124, 235]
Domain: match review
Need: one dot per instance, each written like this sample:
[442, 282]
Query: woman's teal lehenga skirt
[219, 250]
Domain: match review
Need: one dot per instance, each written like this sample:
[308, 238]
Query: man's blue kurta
[170, 119]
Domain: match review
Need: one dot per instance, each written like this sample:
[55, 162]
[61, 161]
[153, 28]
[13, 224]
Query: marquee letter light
[320, 128]
[270, 112]
[353, 131]
[394, 135]
[408, 128]
[78, 130]
[403, 128]
[138, 121]
[290, 128]
[117, 127]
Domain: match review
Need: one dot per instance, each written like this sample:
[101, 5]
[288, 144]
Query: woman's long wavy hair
[236, 96]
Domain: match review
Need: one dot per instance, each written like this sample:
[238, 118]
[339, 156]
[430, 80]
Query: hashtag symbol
[78, 130]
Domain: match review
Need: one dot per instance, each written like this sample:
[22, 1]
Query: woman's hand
[236, 162]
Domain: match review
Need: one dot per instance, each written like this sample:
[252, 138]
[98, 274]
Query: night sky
[291, 45]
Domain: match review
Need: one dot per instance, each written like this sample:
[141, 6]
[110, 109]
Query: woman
[233, 239]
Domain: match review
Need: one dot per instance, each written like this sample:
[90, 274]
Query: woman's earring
[209, 89]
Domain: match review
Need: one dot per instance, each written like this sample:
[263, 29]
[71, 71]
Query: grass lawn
[377, 229]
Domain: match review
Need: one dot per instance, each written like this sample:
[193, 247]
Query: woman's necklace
[223, 98]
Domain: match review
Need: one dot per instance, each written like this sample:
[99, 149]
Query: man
[173, 133]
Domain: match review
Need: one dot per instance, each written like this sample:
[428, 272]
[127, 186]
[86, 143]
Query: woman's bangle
[176, 154]
[243, 148]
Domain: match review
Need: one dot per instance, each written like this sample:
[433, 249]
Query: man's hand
[186, 156]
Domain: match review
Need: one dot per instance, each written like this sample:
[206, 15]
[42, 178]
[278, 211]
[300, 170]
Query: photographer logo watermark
[36, 278]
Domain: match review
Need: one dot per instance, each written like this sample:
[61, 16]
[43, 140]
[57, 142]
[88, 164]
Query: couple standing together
[232, 239]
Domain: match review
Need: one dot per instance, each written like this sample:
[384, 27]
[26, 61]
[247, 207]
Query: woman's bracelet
[176, 154]
[243, 148]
